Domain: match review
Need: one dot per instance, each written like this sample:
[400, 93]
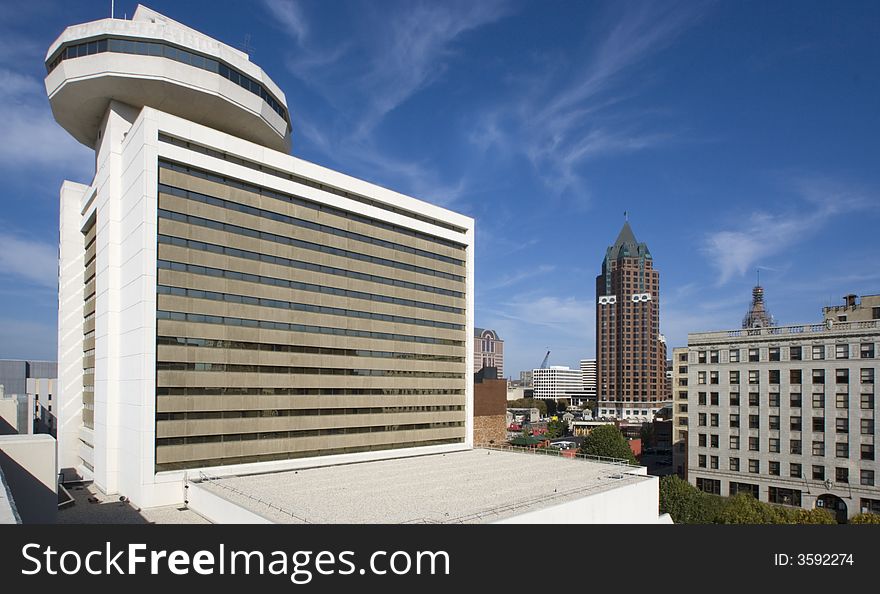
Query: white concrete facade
[557, 382]
[70, 326]
[588, 373]
[119, 453]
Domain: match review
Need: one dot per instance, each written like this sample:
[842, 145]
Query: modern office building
[630, 354]
[588, 375]
[225, 307]
[488, 350]
[558, 382]
[679, 385]
[31, 384]
[787, 413]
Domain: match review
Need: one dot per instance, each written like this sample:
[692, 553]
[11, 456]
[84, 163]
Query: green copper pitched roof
[627, 245]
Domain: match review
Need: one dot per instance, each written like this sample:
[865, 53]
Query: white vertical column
[108, 178]
[137, 307]
[68, 396]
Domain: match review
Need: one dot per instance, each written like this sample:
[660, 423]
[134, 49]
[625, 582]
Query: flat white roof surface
[473, 486]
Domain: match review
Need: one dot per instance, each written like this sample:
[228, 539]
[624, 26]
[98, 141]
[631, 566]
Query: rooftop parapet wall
[819, 330]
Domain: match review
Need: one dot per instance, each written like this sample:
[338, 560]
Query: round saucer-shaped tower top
[154, 61]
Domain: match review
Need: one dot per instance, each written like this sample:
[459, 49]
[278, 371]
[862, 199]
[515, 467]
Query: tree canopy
[607, 441]
[529, 403]
[556, 427]
[688, 505]
[865, 519]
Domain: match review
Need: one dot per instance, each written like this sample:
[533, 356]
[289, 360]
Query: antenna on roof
[112, 8]
[759, 276]
[625, 216]
[246, 47]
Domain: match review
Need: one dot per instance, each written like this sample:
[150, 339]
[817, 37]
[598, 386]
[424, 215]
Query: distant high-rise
[631, 361]
[488, 350]
[558, 382]
[758, 316]
[588, 372]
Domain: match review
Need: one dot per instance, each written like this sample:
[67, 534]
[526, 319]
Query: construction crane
[546, 359]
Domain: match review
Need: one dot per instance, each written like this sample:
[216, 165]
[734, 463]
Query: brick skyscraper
[630, 357]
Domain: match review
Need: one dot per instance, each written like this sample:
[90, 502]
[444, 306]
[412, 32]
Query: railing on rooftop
[616, 473]
[801, 329]
[560, 454]
[218, 481]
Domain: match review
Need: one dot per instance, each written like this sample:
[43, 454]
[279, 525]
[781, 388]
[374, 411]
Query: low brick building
[490, 407]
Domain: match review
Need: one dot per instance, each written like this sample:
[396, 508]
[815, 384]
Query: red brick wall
[490, 398]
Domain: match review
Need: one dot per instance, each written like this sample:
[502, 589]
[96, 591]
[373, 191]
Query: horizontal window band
[299, 349]
[304, 307]
[291, 370]
[162, 49]
[301, 412]
[236, 183]
[226, 391]
[270, 325]
[169, 466]
[292, 284]
[300, 264]
[308, 245]
[303, 223]
[232, 437]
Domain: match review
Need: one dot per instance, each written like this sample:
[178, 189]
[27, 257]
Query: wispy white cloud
[568, 315]
[764, 235]
[583, 119]
[31, 137]
[25, 259]
[290, 16]
[534, 321]
[382, 72]
[410, 57]
[508, 280]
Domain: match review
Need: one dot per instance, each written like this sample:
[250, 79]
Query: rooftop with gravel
[472, 486]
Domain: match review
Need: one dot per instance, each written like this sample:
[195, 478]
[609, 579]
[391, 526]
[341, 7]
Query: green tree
[814, 516]
[561, 406]
[742, 508]
[555, 428]
[529, 403]
[685, 503]
[688, 505]
[607, 441]
[551, 407]
[865, 519]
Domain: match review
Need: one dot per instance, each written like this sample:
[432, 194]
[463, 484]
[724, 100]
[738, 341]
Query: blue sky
[738, 135]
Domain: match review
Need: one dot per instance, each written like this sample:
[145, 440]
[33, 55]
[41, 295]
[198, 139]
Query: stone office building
[787, 413]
